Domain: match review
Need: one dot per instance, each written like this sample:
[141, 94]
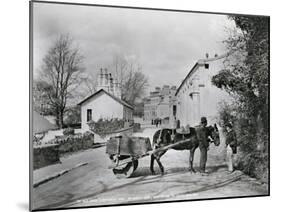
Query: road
[95, 184]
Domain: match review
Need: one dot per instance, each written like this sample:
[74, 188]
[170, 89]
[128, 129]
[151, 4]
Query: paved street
[95, 184]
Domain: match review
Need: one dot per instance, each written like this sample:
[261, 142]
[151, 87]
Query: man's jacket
[202, 136]
[231, 140]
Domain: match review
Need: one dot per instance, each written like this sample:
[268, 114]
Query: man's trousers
[203, 157]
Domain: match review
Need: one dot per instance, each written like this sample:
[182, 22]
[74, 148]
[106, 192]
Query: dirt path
[95, 184]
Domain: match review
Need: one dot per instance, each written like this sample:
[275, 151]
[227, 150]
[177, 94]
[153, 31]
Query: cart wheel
[126, 170]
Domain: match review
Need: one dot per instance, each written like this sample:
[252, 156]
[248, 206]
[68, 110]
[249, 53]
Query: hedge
[48, 155]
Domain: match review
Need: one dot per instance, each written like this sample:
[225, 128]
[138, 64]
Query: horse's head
[214, 134]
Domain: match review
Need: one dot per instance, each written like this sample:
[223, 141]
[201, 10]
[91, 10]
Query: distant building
[106, 103]
[197, 96]
[160, 104]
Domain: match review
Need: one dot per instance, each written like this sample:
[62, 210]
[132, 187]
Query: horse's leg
[191, 157]
[152, 158]
[159, 162]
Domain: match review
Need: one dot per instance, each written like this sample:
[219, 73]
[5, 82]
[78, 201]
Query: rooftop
[109, 94]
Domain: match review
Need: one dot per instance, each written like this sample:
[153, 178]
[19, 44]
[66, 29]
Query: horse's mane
[167, 132]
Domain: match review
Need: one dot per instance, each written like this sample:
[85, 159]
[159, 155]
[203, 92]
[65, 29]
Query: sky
[166, 44]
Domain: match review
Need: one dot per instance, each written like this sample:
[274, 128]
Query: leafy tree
[245, 77]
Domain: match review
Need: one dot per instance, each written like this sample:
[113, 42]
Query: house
[160, 104]
[106, 103]
[197, 96]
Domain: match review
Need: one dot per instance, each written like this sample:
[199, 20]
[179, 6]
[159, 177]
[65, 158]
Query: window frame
[89, 115]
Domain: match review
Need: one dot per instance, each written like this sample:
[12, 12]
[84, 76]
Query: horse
[167, 136]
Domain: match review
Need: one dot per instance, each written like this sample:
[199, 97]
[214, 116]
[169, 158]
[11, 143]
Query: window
[174, 110]
[89, 115]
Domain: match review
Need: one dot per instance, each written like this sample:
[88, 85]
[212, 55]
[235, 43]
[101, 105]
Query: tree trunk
[61, 119]
[57, 117]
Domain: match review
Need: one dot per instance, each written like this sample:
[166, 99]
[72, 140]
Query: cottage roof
[109, 94]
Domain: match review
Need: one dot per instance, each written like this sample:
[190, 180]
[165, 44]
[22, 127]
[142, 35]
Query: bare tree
[128, 73]
[120, 66]
[88, 85]
[61, 70]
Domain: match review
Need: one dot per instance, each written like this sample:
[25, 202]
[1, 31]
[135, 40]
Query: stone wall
[45, 156]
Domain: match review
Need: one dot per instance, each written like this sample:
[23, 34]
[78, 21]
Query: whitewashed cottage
[106, 103]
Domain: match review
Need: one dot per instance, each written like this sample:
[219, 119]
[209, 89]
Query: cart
[124, 153]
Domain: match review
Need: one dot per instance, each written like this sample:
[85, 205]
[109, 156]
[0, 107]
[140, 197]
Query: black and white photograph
[139, 105]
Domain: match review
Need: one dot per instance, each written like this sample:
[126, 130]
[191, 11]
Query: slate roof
[109, 94]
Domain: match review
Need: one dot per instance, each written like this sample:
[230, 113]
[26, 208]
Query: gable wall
[199, 97]
[103, 106]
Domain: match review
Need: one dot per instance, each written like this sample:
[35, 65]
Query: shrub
[74, 143]
[72, 116]
[106, 126]
[252, 142]
[68, 131]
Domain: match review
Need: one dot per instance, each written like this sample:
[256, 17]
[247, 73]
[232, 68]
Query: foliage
[253, 154]
[60, 75]
[245, 77]
[40, 97]
[70, 143]
[106, 126]
[68, 131]
[74, 143]
[226, 114]
[72, 116]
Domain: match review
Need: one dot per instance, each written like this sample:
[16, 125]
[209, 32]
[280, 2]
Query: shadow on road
[200, 185]
[145, 171]
[69, 200]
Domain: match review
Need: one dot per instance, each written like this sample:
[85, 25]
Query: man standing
[203, 143]
[231, 147]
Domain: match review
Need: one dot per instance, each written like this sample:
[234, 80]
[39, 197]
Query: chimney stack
[111, 84]
[106, 82]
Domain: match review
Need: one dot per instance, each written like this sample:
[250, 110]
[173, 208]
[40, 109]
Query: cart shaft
[164, 148]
